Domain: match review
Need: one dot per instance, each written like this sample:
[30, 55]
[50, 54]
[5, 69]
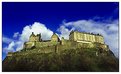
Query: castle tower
[38, 37]
[55, 38]
[62, 41]
[32, 37]
[71, 36]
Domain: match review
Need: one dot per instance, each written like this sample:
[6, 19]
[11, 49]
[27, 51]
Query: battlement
[88, 37]
[84, 33]
[76, 40]
[34, 37]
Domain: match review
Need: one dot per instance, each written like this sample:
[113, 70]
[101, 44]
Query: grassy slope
[67, 60]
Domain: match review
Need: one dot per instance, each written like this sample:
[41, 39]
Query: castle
[76, 40]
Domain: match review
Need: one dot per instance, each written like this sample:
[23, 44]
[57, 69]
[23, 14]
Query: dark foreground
[79, 60]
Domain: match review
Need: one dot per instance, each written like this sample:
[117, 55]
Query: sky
[19, 19]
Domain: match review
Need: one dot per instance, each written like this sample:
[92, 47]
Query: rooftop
[85, 33]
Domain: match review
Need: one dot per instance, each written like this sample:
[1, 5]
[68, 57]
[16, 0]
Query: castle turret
[32, 34]
[38, 37]
[55, 38]
[34, 37]
[62, 41]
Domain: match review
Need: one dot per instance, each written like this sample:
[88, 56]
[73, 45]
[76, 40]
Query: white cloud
[11, 45]
[64, 32]
[16, 35]
[6, 40]
[108, 30]
[27, 30]
[36, 28]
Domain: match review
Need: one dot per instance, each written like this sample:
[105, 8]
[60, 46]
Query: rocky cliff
[74, 60]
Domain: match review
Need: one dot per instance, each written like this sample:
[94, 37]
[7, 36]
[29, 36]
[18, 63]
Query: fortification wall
[34, 38]
[74, 44]
[76, 40]
[28, 44]
[78, 36]
[85, 45]
[103, 46]
[46, 44]
[40, 44]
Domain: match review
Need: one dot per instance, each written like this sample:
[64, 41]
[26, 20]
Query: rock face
[74, 60]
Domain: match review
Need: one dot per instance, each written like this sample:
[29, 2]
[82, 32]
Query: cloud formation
[109, 30]
[6, 40]
[16, 45]
[16, 35]
[10, 46]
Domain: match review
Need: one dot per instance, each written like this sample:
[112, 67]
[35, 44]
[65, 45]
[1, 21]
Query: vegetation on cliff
[67, 60]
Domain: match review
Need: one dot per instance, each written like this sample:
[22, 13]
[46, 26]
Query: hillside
[74, 60]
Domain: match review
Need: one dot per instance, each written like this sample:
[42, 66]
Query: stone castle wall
[79, 36]
[76, 40]
[36, 38]
[40, 44]
[58, 47]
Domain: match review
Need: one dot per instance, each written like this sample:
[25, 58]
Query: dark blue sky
[16, 15]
